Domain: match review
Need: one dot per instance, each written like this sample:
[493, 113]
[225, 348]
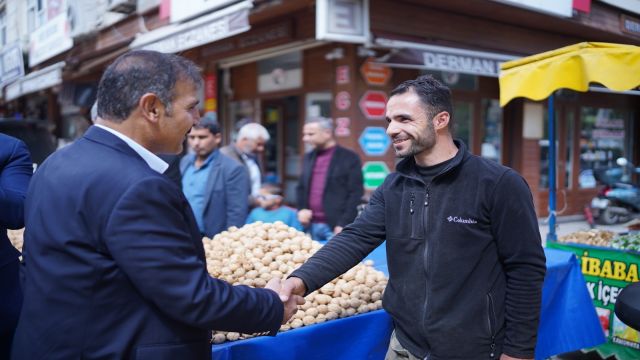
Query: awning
[35, 81]
[574, 67]
[94, 63]
[205, 29]
[432, 57]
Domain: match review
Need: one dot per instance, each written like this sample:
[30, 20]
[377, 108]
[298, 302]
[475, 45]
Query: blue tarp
[568, 322]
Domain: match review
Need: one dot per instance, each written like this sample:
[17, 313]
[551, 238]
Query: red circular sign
[373, 104]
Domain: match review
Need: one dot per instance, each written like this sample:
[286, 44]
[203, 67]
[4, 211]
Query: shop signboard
[374, 141]
[211, 27]
[180, 12]
[343, 100]
[562, 8]
[343, 127]
[375, 73]
[342, 20]
[607, 272]
[50, 39]
[342, 74]
[373, 104]
[11, 66]
[374, 173]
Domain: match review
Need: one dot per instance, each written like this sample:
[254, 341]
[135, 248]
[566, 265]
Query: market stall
[617, 67]
[568, 322]
[575, 67]
[609, 262]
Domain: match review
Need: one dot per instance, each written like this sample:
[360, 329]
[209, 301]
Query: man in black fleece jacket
[466, 264]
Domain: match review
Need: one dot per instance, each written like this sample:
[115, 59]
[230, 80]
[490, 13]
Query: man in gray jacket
[216, 186]
[465, 260]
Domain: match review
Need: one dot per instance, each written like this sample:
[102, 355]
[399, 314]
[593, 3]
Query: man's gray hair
[139, 72]
[253, 131]
[323, 122]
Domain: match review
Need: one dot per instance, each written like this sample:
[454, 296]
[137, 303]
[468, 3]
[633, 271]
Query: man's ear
[441, 120]
[151, 107]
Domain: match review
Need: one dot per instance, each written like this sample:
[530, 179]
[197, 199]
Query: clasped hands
[291, 293]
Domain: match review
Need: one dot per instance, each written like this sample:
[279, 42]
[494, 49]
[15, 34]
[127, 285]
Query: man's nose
[196, 118]
[392, 130]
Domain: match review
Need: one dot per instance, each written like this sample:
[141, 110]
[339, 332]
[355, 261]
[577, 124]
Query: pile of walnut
[592, 237]
[256, 253]
[15, 236]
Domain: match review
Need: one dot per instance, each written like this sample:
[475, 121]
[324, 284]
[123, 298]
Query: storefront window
[544, 151]
[492, 141]
[568, 183]
[602, 141]
[463, 113]
[240, 113]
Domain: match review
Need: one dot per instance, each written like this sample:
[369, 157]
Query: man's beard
[419, 145]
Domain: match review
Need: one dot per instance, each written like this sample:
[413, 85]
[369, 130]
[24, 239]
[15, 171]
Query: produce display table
[568, 322]
[607, 271]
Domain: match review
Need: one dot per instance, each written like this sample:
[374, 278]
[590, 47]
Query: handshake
[291, 293]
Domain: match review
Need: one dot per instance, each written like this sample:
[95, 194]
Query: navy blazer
[15, 171]
[226, 193]
[114, 265]
[343, 189]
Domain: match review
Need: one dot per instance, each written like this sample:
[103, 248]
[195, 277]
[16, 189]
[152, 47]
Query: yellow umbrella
[615, 66]
[536, 77]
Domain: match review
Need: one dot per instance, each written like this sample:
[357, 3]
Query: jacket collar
[407, 166]
[191, 158]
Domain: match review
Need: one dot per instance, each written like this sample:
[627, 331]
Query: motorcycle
[618, 199]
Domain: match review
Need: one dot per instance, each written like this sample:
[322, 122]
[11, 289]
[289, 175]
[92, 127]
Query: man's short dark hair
[208, 123]
[138, 72]
[435, 96]
[272, 188]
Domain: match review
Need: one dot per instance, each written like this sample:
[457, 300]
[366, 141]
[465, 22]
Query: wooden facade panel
[244, 81]
[444, 28]
[318, 72]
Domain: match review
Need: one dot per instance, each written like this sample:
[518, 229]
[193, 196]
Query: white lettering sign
[50, 39]
[461, 63]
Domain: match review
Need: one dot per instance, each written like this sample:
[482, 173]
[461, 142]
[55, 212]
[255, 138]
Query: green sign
[374, 173]
[607, 272]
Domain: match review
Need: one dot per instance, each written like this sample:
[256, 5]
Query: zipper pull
[426, 199]
[411, 203]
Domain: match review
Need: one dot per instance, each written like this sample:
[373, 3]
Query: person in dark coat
[114, 265]
[330, 186]
[15, 171]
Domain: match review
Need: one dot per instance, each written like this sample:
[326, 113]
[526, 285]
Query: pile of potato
[592, 237]
[16, 238]
[257, 252]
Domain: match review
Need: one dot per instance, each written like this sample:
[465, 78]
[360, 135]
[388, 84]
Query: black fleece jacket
[466, 264]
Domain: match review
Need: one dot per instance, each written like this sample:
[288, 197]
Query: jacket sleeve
[15, 173]
[348, 248]
[355, 191]
[237, 192]
[515, 227]
[149, 239]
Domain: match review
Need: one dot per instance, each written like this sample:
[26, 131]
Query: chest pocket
[405, 216]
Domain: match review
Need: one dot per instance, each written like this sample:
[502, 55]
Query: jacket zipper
[425, 223]
[491, 317]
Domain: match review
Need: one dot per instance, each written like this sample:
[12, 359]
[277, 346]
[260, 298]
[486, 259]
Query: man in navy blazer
[216, 186]
[114, 265]
[15, 172]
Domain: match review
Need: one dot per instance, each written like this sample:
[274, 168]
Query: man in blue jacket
[113, 260]
[216, 186]
[465, 259]
[15, 171]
